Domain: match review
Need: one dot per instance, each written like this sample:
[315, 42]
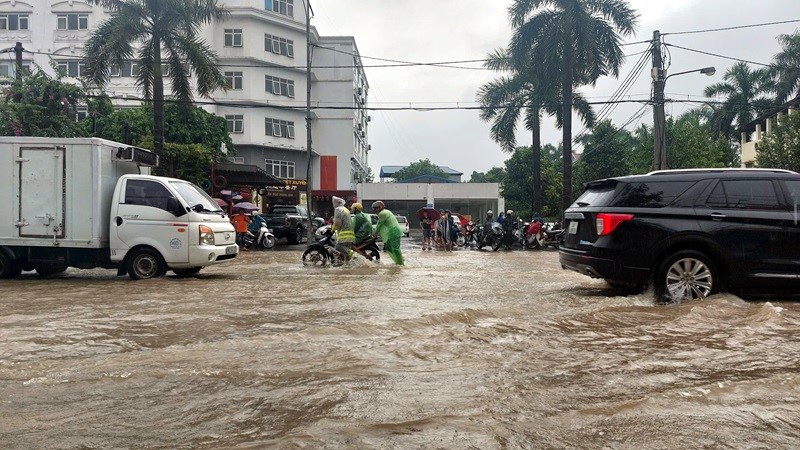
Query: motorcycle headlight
[206, 235]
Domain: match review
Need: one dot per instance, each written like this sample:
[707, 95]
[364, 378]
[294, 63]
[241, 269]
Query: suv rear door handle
[718, 216]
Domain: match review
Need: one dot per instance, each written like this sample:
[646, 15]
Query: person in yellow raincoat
[389, 231]
[343, 225]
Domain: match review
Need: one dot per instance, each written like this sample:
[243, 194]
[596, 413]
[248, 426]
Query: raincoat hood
[337, 202]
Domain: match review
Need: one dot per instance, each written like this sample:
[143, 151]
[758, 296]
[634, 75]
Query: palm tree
[576, 41]
[506, 98]
[746, 95]
[787, 67]
[157, 35]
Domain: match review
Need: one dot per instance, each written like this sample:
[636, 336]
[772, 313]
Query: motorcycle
[492, 236]
[468, 236]
[537, 235]
[322, 251]
[262, 237]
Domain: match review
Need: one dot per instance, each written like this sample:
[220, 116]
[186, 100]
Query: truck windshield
[193, 195]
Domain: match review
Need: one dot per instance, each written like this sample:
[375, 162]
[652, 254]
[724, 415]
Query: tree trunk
[158, 103]
[536, 150]
[566, 99]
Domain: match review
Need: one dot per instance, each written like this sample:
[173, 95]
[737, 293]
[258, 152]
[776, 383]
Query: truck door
[143, 218]
[41, 191]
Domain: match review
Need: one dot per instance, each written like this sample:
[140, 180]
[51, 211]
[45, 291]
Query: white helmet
[509, 212]
[489, 213]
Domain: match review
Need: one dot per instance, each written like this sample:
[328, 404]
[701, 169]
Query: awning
[327, 194]
[243, 175]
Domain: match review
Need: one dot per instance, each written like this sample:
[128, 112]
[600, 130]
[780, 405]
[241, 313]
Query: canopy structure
[243, 175]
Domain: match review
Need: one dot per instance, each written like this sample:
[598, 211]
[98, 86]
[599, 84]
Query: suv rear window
[596, 196]
[651, 195]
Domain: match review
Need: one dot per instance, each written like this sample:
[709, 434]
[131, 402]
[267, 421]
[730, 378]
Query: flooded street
[456, 350]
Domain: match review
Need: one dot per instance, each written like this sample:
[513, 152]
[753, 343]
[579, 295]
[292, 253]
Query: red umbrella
[221, 202]
[433, 214]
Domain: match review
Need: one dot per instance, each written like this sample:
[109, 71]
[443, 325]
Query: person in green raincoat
[361, 223]
[390, 232]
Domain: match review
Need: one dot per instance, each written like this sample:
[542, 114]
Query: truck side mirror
[175, 207]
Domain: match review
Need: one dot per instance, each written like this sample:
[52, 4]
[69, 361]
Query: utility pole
[659, 121]
[310, 227]
[18, 51]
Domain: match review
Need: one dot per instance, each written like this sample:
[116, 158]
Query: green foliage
[419, 168]
[780, 149]
[690, 144]
[37, 105]
[747, 94]
[494, 175]
[190, 162]
[605, 154]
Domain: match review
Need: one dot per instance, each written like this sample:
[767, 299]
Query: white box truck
[89, 202]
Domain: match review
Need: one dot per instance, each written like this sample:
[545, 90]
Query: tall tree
[787, 67]
[419, 168]
[506, 98]
[747, 94]
[781, 147]
[606, 153]
[576, 41]
[157, 35]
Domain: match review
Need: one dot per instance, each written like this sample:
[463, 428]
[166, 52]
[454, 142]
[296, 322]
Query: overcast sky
[458, 30]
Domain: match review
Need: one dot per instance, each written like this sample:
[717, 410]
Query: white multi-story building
[261, 46]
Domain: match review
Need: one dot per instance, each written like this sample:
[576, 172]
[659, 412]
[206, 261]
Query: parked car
[290, 222]
[691, 232]
[403, 221]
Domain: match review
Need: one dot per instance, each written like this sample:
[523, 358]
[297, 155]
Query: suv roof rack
[722, 169]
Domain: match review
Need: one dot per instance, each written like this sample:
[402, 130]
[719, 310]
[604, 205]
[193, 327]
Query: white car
[403, 221]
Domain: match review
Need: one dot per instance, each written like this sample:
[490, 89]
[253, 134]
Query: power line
[720, 56]
[738, 27]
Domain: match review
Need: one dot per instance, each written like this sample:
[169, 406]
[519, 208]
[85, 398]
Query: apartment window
[128, 69]
[280, 169]
[72, 69]
[280, 86]
[233, 37]
[279, 45]
[279, 128]
[235, 123]
[6, 70]
[73, 21]
[13, 21]
[81, 112]
[233, 80]
[285, 7]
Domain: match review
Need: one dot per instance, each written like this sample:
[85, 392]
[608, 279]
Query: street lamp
[659, 120]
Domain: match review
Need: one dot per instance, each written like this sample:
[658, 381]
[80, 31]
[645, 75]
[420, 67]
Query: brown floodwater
[470, 349]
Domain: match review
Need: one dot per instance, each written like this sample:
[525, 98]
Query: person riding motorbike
[256, 221]
[361, 223]
[343, 224]
[510, 223]
[487, 223]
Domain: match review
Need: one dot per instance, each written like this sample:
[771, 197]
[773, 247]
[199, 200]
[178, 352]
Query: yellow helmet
[357, 207]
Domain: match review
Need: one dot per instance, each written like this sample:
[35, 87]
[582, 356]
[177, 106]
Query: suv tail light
[607, 223]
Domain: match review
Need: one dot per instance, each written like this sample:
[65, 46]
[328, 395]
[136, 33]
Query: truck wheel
[8, 267]
[686, 275]
[186, 273]
[145, 263]
[297, 236]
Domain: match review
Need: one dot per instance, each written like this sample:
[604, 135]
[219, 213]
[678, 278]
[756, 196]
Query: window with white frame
[128, 69]
[280, 169]
[72, 69]
[279, 86]
[233, 37]
[235, 123]
[233, 80]
[73, 21]
[279, 128]
[13, 21]
[285, 7]
[81, 112]
[279, 45]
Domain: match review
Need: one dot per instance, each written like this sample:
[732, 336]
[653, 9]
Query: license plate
[573, 227]
[231, 250]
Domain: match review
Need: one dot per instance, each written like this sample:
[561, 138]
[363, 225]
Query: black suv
[690, 232]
